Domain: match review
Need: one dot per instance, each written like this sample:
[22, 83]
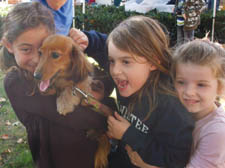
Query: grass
[14, 150]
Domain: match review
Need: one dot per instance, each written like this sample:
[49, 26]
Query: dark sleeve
[97, 47]
[168, 143]
[28, 106]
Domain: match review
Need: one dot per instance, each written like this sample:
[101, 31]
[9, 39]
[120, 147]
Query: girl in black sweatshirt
[151, 121]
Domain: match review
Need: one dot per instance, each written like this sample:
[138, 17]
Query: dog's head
[60, 58]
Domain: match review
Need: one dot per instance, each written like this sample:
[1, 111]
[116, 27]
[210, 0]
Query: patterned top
[192, 10]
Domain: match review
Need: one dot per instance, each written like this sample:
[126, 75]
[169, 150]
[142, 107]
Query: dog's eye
[55, 55]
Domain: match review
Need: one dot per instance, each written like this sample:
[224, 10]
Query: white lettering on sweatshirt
[133, 119]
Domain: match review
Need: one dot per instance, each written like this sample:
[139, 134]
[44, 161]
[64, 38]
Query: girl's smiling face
[197, 88]
[25, 47]
[129, 74]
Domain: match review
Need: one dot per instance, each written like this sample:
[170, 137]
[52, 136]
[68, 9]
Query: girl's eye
[180, 82]
[125, 62]
[26, 50]
[111, 61]
[201, 85]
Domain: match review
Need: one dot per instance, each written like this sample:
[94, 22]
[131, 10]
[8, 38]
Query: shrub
[1, 22]
[206, 25]
[105, 18]
[3, 12]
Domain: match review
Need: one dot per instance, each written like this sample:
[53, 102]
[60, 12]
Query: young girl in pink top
[199, 75]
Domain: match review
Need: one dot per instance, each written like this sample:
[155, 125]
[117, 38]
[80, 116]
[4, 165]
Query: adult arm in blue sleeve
[97, 47]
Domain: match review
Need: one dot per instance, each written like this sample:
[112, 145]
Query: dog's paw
[64, 110]
[66, 102]
[63, 106]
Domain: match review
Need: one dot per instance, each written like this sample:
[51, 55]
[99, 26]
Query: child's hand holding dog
[117, 125]
[79, 37]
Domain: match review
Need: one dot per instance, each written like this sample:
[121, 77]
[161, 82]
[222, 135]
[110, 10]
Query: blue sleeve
[63, 17]
[168, 143]
[97, 47]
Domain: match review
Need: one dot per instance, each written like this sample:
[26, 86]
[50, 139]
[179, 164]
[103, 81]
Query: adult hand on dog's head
[79, 37]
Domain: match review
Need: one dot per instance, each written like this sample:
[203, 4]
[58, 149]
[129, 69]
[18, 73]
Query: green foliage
[4, 9]
[100, 18]
[105, 18]
[206, 25]
[1, 23]
[20, 157]
[13, 154]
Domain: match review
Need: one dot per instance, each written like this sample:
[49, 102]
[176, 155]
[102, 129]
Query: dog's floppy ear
[81, 67]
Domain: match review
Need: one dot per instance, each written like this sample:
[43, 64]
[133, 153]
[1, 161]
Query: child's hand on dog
[117, 126]
[79, 37]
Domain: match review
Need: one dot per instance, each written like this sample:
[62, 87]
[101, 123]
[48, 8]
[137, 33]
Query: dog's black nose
[37, 75]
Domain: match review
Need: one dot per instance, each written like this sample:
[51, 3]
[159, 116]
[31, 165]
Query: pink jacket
[209, 141]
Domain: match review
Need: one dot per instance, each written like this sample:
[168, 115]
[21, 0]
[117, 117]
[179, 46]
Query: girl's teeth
[122, 84]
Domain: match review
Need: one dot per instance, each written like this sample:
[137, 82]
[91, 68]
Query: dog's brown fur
[64, 64]
[69, 69]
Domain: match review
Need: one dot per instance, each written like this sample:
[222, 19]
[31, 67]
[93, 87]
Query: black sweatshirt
[164, 139]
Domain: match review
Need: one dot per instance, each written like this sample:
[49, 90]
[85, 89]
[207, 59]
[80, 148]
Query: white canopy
[144, 6]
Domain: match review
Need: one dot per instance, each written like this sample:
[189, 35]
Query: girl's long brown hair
[144, 37]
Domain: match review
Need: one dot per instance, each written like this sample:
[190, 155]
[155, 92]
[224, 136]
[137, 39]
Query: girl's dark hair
[144, 37]
[26, 16]
[22, 17]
